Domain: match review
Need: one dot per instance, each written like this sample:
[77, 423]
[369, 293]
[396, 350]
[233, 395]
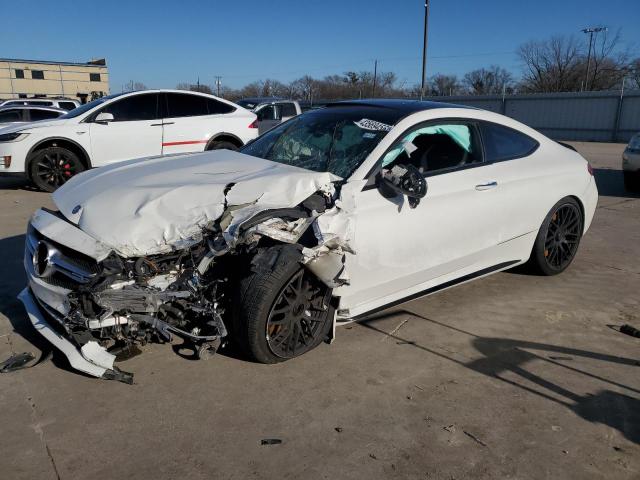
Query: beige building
[34, 78]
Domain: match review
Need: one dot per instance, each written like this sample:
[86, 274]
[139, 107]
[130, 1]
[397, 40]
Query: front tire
[281, 310]
[558, 238]
[51, 167]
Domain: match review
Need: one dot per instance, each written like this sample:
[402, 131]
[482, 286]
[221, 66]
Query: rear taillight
[254, 124]
[590, 169]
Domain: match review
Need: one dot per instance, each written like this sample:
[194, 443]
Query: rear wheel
[558, 238]
[222, 145]
[281, 309]
[51, 167]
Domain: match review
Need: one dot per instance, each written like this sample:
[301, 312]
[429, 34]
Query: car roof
[32, 107]
[264, 99]
[404, 107]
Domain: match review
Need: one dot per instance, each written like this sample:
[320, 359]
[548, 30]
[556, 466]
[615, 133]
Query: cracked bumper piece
[91, 358]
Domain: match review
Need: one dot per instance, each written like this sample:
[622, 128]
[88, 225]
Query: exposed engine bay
[105, 299]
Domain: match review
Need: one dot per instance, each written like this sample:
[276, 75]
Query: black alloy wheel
[296, 321]
[563, 236]
[51, 167]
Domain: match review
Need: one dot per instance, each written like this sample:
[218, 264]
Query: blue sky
[161, 42]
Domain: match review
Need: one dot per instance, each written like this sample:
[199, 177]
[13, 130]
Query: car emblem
[42, 264]
[76, 209]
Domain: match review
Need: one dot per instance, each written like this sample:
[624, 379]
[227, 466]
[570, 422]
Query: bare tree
[551, 65]
[634, 73]
[133, 85]
[486, 81]
[607, 65]
[195, 87]
[443, 85]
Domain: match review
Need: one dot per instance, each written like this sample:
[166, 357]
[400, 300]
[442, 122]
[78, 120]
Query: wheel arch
[224, 137]
[72, 145]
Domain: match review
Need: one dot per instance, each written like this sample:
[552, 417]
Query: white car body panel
[165, 202]
[119, 141]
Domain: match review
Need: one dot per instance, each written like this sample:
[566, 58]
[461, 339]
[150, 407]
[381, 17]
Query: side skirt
[437, 288]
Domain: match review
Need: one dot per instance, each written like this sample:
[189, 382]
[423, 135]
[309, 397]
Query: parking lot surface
[511, 376]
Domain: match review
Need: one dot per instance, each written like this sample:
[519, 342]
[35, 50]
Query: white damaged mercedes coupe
[330, 216]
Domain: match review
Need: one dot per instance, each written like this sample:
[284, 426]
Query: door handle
[486, 186]
[161, 124]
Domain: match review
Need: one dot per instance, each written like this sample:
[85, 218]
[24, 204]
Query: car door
[268, 117]
[190, 121]
[135, 131]
[399, 249]
[523, 176]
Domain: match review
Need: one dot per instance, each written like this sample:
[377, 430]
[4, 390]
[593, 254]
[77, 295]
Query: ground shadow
[611, 183]
[17, 183]
[504, 357]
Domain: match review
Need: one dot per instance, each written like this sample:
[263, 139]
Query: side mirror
[104, 117]
[405, 180]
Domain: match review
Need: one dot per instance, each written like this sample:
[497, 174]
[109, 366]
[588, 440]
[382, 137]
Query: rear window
[67, 105]
[36, 115]
[288, 109]
[185, 105]
[10, 116]
[503, 143]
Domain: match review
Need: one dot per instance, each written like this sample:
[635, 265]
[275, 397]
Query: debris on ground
[450, 428]
[629, 330]
[474, 438]
[270, 441]
[338, 429]
[17, 361]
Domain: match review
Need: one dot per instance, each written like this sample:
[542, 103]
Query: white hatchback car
[122, 127]
[331, 216]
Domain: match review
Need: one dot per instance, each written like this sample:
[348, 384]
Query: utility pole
[424, 46]
[218, 83]
[590, 31]
[375, 77]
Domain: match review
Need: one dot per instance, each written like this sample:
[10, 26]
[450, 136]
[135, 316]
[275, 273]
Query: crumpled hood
[149, 206]
[28, 126]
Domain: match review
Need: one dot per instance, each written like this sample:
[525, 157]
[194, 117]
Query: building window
[37, 74]
[94, 77]
[19, 73]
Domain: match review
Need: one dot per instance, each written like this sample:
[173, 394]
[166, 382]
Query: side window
[186, 105]
[36, 115]
[216, 107]
[41, 103]
[288, 109]
[267, 112]
[37, 74]
[503, 143]
[135, 107]
[436, 147]
[67, 105]
[94, 77]
[19, 73]
[7, 116]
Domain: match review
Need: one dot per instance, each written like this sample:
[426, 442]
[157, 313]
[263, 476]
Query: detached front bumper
[47, 304]
[91, 358]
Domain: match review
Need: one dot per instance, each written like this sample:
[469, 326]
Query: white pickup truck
[271, 111]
